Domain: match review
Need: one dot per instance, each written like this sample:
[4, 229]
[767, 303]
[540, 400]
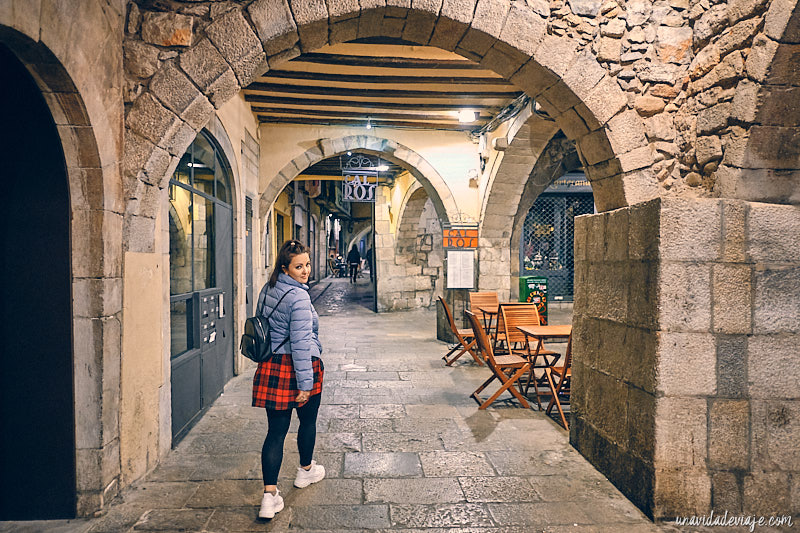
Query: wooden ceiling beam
[390, 62]
[355, 114]
[267, 119]
[316, 102]
[378, 93]
[378, 78]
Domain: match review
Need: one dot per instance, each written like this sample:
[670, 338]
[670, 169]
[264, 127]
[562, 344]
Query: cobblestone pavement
[404, 446]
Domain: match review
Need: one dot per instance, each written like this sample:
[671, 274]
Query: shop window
[546, 246]
[199, 183]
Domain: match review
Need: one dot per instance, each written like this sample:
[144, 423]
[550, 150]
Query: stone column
[686, 378]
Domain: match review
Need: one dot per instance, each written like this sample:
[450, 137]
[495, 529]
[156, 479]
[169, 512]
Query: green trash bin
[534, 289]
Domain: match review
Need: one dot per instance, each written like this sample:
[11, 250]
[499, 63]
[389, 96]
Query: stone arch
[96, 271]
[585, 101]
[417, 268]
[360, 232]
[408, 222]
[558, 158]
[506, 188]
[761, 161]
[390, 150]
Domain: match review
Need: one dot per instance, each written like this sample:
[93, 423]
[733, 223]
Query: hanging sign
[357, 173]
[460, 236]
[357, 189]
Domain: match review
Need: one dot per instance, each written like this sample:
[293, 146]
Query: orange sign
[460, 238]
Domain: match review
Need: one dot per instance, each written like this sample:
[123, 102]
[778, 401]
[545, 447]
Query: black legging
[353, 271]
[272, 450]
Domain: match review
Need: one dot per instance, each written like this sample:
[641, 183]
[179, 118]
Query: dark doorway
[37, 422]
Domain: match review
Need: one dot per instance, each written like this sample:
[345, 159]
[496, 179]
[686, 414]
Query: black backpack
[256, 342]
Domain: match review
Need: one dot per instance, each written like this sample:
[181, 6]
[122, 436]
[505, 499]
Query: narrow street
[404, 446]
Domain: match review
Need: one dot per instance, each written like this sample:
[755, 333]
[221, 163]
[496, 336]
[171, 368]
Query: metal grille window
[546, 246]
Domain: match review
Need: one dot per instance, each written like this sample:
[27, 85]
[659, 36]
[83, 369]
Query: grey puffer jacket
[295, 318]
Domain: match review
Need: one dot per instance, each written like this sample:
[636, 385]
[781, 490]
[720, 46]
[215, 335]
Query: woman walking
[292, 378]
[354, 260]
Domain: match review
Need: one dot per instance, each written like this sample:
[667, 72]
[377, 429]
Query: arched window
[201, 180]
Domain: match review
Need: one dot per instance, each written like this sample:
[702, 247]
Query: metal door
[546, 246]
[201, 283]
[222, 366]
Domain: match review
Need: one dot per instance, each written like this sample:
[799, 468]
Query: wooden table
[542, 333]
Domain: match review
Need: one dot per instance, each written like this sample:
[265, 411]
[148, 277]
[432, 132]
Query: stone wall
[409, 263]
[615, 336]
[686, 363]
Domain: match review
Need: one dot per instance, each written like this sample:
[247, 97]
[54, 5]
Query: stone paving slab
[404, 446]
[382, 464]
[414, 490]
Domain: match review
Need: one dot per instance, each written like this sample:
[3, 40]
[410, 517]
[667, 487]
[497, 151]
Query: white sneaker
[307, 477]
[270, 504]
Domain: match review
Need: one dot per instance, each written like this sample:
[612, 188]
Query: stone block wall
[410, 264]
[687, 387]
[614, 345]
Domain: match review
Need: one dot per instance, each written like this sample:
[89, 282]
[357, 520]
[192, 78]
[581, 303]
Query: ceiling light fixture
[369, 123]
[349, 153]
[467, 115]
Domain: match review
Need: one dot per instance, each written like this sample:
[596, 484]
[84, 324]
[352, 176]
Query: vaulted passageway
[688, 106]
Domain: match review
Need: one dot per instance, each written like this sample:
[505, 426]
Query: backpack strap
[270, 316]
[260, 304]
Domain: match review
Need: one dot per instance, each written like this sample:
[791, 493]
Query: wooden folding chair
[486, 300]
[465, 338]
[513, 315]
[500, 343]
[508, 369]
[564, 375]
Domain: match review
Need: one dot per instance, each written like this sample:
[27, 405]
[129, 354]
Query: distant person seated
[353, 259]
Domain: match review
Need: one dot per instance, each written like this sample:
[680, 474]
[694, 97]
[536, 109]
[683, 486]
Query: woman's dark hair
[288, 251]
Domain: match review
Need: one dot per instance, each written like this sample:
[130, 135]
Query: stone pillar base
[686, 343]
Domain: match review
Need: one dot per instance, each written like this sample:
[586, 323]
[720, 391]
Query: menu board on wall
[460, 269]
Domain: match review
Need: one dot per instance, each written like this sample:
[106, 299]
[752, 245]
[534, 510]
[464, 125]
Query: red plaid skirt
[275, 384]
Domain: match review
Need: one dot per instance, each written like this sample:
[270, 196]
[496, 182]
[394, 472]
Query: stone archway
[396, 283]
[408, 220]
[418, 252]
[505, 189]
[761, 160]
[557, 158]
[390, 150]
[360, 231]
[585, 100]
[95, 233]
